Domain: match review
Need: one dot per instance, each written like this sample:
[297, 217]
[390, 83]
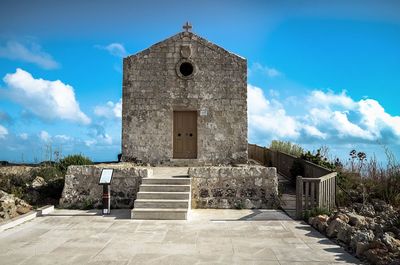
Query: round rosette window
[185, 69]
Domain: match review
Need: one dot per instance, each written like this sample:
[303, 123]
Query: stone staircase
[165, 198]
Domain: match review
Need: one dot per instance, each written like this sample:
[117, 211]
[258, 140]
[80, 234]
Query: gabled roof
[193, 37]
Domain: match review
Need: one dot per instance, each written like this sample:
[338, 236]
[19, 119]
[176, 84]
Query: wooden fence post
[299, 197]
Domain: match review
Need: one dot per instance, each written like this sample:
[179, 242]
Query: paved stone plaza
[208, 237]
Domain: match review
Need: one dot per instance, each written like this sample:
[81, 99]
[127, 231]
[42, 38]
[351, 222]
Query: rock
[356, 220]
[360, 236]
[361, 247]
[377, 256]
[334, 227]
[367, 210]
[11, 206]
[320, 222]
[392, 243]
[377, 244]
[344, 233]
[341, 216]
[38, 182]
[380, 205]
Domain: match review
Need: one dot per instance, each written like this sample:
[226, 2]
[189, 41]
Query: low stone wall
[234, 187]
[81, 189]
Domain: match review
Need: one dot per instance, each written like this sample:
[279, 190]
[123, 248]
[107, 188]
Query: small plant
[88, 204]
[73, 160]
[315, 212]
[239, 204]
[287, 147]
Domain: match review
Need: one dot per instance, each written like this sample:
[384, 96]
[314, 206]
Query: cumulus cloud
[110, 110]
[269, 71]
[328, 116]
[45, 136]
[330, 99]
[269, 117]
[33, 53]
[3, 132]
[46, 99]
[115, 49]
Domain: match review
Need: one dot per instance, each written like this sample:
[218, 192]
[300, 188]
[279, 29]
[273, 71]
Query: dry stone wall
[234, 187]
[153, 88]
[81, 189]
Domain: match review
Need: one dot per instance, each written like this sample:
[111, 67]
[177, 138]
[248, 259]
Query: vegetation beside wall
[361, 178]
[42, 184]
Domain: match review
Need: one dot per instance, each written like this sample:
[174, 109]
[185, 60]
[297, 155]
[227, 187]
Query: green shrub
[319, 159]
[315, 212]
[73, 160]
[287, 147]
[87, 204]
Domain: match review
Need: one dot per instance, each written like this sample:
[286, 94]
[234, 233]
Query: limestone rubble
[370, 231]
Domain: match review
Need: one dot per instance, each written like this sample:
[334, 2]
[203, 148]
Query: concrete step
[167, 181]
[172, 204]
[163, 195]
[164, 188]
[159, 214]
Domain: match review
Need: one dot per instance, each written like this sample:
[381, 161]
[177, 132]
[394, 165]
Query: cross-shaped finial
[187, 26]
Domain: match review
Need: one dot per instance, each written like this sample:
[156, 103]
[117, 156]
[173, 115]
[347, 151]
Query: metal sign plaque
[203, 112]
[106, 176]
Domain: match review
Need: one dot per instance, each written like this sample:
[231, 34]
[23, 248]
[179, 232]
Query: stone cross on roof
[187, 26]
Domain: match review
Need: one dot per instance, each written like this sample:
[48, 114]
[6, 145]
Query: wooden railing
[317, 188]
[315, 193]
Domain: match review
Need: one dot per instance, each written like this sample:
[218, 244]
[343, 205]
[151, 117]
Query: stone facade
[81, 189]
[154, 86]
[234, 187]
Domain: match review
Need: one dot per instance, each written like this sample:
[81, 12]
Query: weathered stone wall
[153, 89]
[234, 187]
[82, 190]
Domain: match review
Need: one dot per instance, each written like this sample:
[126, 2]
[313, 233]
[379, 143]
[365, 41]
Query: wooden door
[185, 134]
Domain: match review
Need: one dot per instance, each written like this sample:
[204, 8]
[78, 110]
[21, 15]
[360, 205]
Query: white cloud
[62, 138]
[269, 117]
[23, 136]
[269, 71]
[314, 132]
[330, 99]
[101, 140]
[48, 100]
[16, 51]
[332, 117]
[3, 132]
[90, 142]
[374, 117]
[115, 49]
[44, 136]
[110, 110]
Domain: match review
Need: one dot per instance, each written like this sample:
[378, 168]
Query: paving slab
[207, 237]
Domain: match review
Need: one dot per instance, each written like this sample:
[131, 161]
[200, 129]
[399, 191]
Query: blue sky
[319, 73]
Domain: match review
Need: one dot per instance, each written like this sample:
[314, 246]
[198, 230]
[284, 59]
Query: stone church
[184, 99]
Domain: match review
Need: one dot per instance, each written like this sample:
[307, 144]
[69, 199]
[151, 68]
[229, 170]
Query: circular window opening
[186, 69]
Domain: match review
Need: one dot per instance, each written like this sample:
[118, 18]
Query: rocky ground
[11, 206]
[369, 231]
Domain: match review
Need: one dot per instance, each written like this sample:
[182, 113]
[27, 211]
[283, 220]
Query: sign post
[105, 180]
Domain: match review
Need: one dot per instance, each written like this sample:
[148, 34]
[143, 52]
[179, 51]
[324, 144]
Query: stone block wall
[153, 89]
[234, 187]
[81, 189]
